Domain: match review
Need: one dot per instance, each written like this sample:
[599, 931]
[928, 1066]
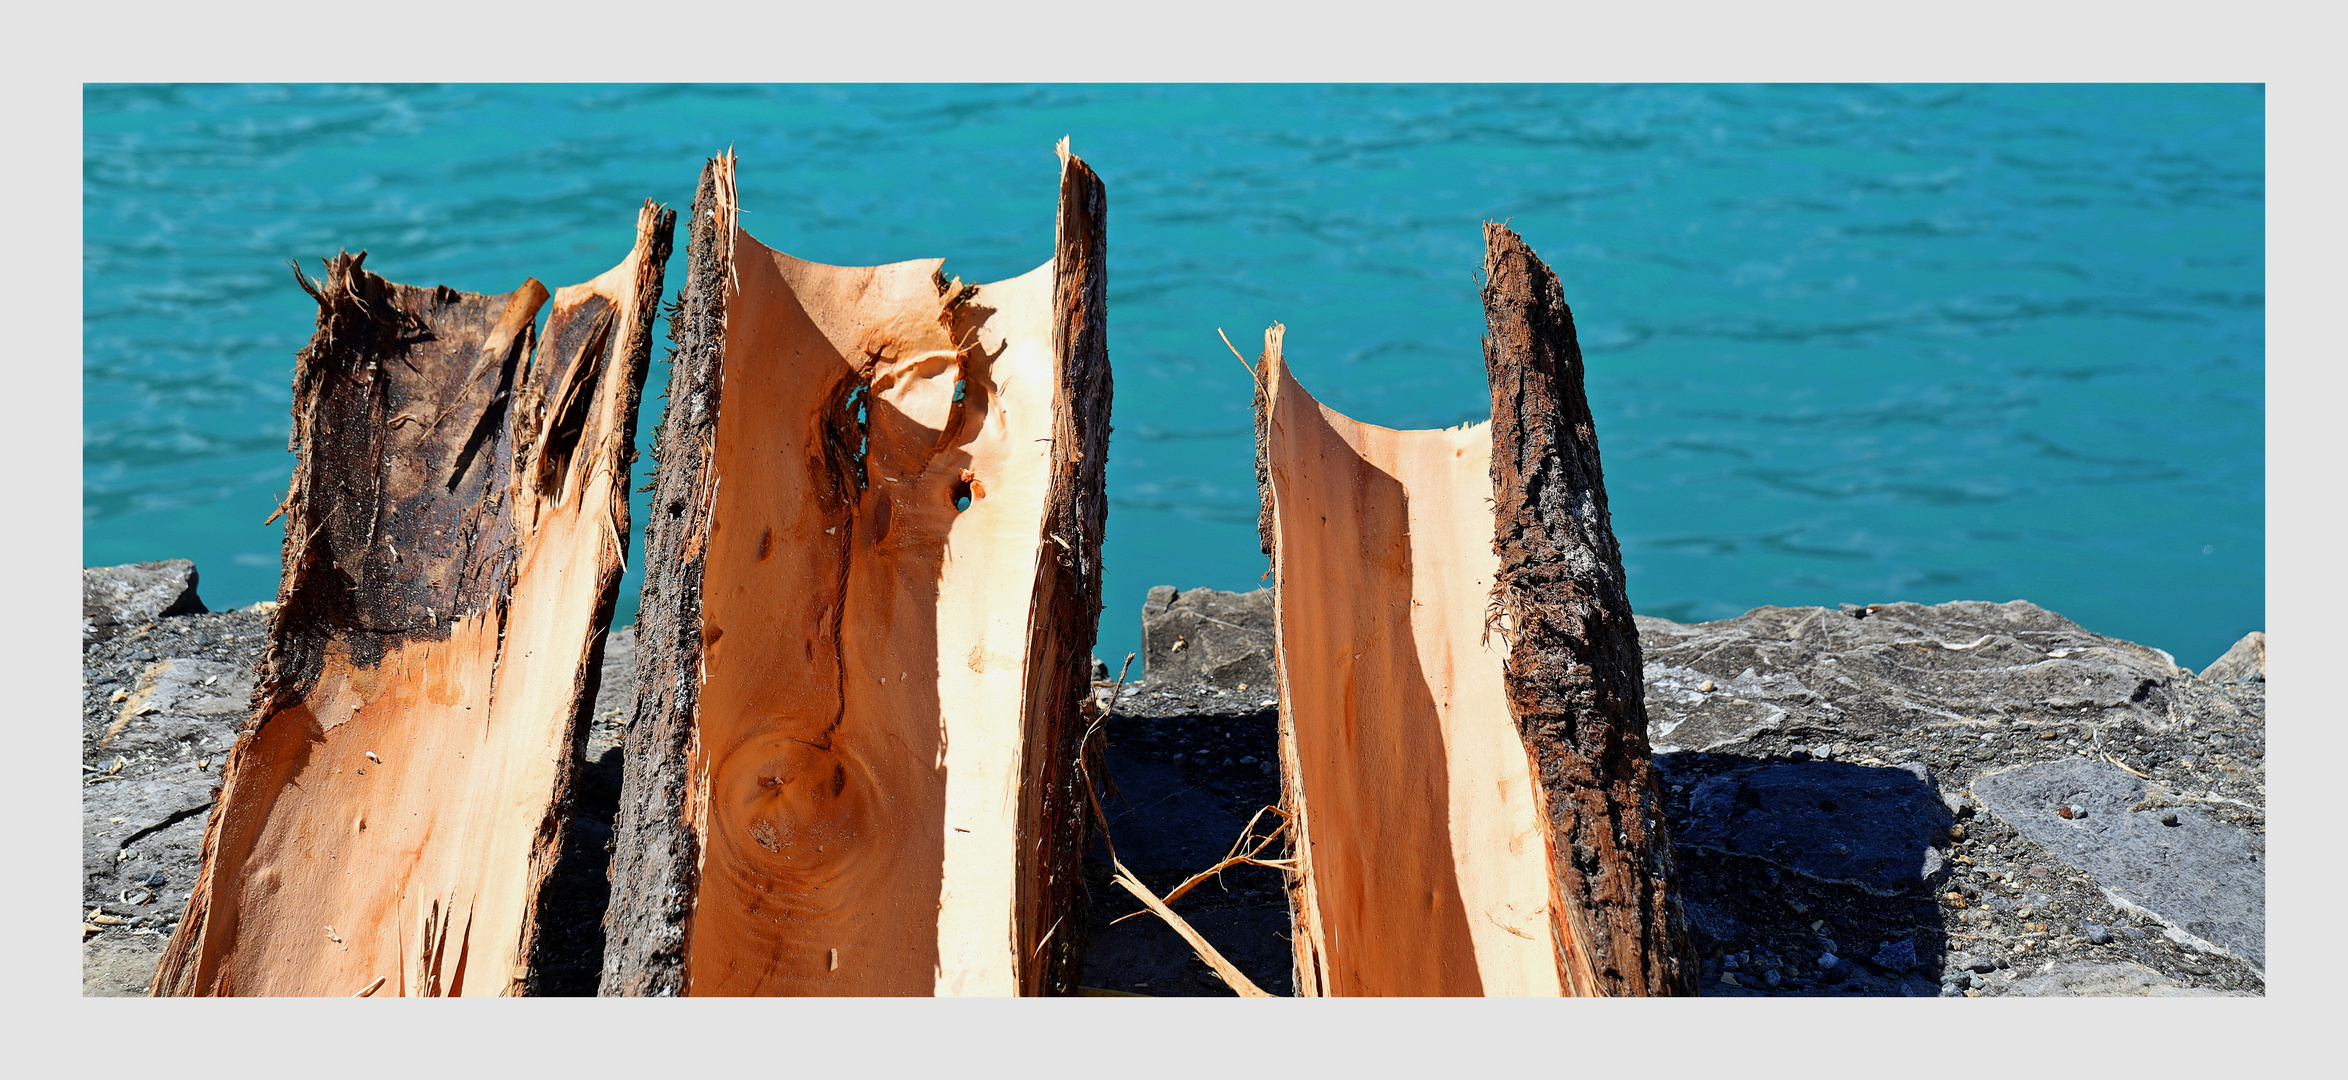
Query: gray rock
[162, 828]
[1206, 638]
[1897, 957]
[1714, 921]
[1884, 669]
[615, 682]
[116, 598]
[2203, 877]
[120, 965]
[1833, 821]
[2098, 934]
[2076, 979]
[2246, 660]
[1161, 822]
[178, 702]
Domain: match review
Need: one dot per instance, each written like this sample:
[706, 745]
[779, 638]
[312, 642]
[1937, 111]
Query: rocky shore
[1967, 799]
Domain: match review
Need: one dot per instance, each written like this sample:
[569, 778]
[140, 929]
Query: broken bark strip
[1066, 606]
[656, 853]
[869, 608]
[456, 532]
[1463, 737]
[1574, 678]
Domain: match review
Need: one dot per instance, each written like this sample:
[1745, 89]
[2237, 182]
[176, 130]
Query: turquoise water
[1844, 343]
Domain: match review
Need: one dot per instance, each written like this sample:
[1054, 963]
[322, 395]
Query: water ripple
[1842, 342]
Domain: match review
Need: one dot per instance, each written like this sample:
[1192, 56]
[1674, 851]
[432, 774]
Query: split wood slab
[1464, 759]
[871, 590]
[455, 536]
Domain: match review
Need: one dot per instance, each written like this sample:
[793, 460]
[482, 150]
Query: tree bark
[655, 852]
[1574, 675]
[1460, 676]
[870, 599]
[455, 535]
[1067, 603]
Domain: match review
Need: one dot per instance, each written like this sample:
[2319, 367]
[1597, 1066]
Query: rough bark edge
[1573, 672]
[656, 854]
[360, 316]
[655, 237]
[1065, 607]
[1304, 953]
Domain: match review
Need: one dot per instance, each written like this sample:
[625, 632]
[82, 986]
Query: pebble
[156, 881]
[1705, 686]
[1772, 977]
[2098, 934]
[1898, 956]
[1828, 960]
[1981, 964]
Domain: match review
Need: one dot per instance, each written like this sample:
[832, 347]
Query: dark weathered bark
[1267, 525]
[1065, 614]
[1573, 670]
[426, 455]
[656, 851]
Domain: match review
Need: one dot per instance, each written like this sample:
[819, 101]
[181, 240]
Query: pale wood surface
[1423, 861]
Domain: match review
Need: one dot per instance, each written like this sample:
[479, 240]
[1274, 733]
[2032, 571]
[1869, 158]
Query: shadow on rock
[1809, 877]
[568, 959]
[1185, 788]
